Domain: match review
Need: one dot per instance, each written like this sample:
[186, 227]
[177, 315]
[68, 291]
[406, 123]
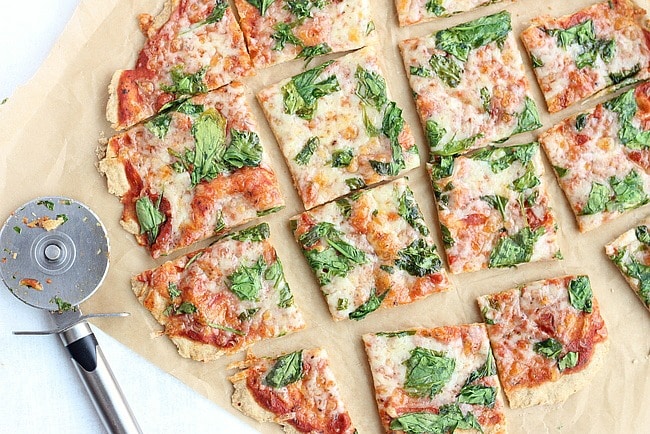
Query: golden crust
[150, 25]
[112, 106]
[113, 170]
[558, 391]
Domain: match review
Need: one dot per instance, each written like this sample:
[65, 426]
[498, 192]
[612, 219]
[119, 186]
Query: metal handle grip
[92, 367]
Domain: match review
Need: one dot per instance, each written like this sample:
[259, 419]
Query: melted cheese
[594, 154]
[343, 25]
[235, 197]
[339, 125]
[519, 318]
[467, 345]
[204, 281]
[415, 11]
[182, 43]
[375, 228]
[476, 226]
[460, 110]
[560, 80]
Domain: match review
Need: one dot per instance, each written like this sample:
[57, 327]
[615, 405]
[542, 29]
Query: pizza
[195, 170]
[369, 250]
[548, 338]
[221, 299]
[603, 46]
[601, 157]
[297, 390]
[277, 31]
[418, 11]
[493, 208]
[630, 252]
[191, 47]
[469, 85]
[436, 380]
[338, 129]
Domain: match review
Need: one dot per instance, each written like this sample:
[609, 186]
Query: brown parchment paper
[49, 133]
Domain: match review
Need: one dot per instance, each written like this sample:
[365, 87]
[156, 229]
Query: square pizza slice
[297, 390]
[603, 46]
[548, 338]
[191, 47]
[436, 380]
[602, 157]
[469, 85]
[369, 250]
[221, 299]
[193, 171]
[338, 129]
[419, 11]
[631, 254]
[493, 208]
[281, 30]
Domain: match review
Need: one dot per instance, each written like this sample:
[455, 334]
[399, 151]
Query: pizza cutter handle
[99, 381]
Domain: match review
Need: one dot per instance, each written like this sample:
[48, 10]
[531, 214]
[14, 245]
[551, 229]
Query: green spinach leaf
[246, 281]
[569, 360]
[497, 202]
[419, 259]
[261, 5]
[302, 158]
[369, 306]
[447, 69]
[286, 370]
[300, 95]
[253, 234]
[550, 348]
[515, 249]
[408, 209]
[184, 83]
[580, 294]
[244, 149]
[149, 217]
[477, 394]
[371, 88]
[460, 40]
[427, 372]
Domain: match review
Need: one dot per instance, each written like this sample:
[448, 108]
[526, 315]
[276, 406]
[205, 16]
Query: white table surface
[41, 392]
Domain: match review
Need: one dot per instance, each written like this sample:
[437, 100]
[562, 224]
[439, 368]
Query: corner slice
[436, 380]
[469, 85]
[297, 390]
[371, 250]
[631, 254]
[602, 158]
[493, 208]
[338, 129]
[419, 11]
[197, 169]
[192, 47]
[222, 299]
[281, 30]
[604, 46]
[548, 337]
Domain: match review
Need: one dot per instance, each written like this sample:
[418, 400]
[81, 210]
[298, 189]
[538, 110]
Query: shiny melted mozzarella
[226, 198]
[338, 123]
[594, 154]
[342, 25]
[375, 228]
[561, 81]
[415, 11]
[460, 110]
[467, 345]
[476, 225]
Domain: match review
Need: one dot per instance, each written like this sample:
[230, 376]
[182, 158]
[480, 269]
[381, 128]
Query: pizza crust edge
[558, 391]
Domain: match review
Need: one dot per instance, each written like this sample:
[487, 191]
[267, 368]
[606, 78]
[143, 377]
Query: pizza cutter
[54, 254]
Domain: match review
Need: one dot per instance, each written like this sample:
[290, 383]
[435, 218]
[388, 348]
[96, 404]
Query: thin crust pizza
[630, 252]
[221, 299]
[369, 250]
[469, 85]
[606, 45]
[192, 46]
[419, 11]
[436, 380]
[281, 30]
[493, 208]
[193, 171]
[601, 157]
[548, 338]
[338, 129]
[297, 390]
